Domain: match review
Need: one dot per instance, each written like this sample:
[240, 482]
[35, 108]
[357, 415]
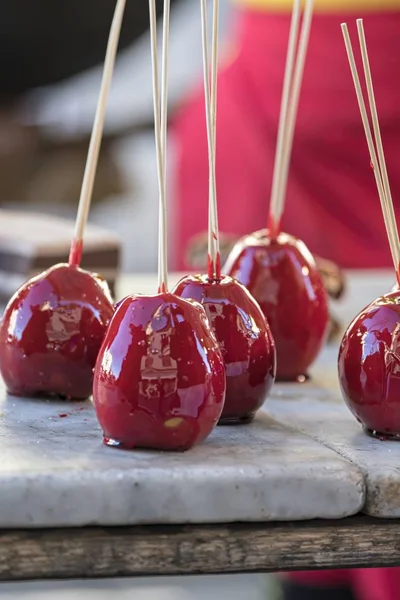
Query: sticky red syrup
[369, 367]
[159, 380]
[51, 333]
[246, 342]
[281, 275]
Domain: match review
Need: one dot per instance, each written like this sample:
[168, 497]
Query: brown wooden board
[208, 549]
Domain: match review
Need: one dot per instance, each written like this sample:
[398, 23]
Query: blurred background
[234, 587]
[49, 92]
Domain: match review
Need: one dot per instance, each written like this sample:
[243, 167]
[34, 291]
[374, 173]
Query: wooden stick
[163, 221]
[207, 98]
[393, 241]
[160, 105]
[211, 249]
[97, 133]
[293, 106]
[377, 134]
[164, 81]
[214, 91]
[287, 83]
[210, 95]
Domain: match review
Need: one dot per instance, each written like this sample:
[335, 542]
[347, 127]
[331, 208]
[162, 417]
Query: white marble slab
[317, 409]
[55, 471]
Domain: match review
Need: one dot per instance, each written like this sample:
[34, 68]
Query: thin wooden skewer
[377, 130]
[293, 107]
[390, 226]
[163, 221]
[210, 104]
[214, 90]
[211, 252]
[213, 210]
[164, 81]
[287, 84]
[160, 132]
[95, 140]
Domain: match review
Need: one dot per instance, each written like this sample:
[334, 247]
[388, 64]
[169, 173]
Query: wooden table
[301, 488]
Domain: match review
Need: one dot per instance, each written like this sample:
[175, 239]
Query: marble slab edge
[322, 415]
[55, 472]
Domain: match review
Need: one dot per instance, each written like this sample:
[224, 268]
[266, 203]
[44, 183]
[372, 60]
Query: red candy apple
[369, 367]
[245, 339]
[51, 332]
[159, 380]
[282, 277]
[369, 356]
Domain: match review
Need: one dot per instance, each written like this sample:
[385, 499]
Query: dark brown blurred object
[333, 276]
[335, 284]
[31, 243]
[36, 170]
[45, 41]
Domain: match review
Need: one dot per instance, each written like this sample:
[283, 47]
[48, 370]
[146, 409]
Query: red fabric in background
[332, 202]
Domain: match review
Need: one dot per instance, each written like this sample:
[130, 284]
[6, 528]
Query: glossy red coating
[369, 367]
[51, 333]
[159, 380]
[281, 275]
[245, 339]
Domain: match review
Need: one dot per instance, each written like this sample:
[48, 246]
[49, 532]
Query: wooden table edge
[94, 552]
